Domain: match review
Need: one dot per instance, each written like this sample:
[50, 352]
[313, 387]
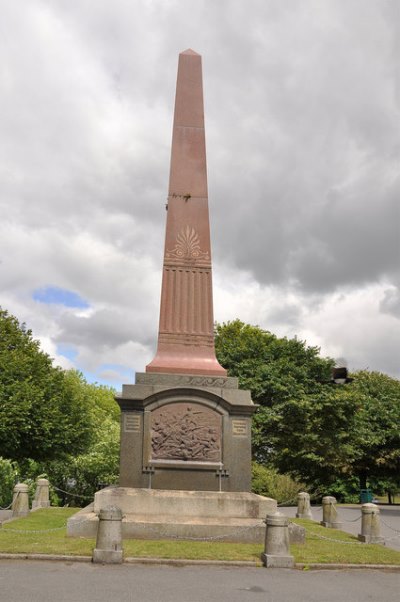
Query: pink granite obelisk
[186, 334]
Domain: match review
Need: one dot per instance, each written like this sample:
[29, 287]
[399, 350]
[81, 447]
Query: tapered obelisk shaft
[185, 338]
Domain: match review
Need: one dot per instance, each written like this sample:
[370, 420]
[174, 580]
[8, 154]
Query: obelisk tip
[191, 52]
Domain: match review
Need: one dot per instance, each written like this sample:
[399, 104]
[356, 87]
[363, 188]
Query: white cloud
[302, 120]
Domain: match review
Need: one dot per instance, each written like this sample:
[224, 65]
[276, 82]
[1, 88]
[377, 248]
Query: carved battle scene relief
[186, 432]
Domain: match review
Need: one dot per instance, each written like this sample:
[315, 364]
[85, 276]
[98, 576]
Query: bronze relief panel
[186, 432]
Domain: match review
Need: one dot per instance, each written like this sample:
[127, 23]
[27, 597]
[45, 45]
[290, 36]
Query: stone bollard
[41, 499]
[329, 513]
[303, 505]
[276, 552]
[20, 503]
[109, 536]
[371, 525]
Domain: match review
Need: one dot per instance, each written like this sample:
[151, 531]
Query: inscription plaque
[239, 428]
[186, 432]
[132, 423]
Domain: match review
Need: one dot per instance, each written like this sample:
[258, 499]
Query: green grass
[43, 532]
[345, 549]
[32, 537]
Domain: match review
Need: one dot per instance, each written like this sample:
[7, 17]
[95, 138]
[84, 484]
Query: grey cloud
[302, 123]
[390, 304]
[106, 328]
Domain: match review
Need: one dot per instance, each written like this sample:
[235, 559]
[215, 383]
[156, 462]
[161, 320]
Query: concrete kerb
[188, 562]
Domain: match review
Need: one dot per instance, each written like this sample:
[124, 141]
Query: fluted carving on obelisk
[186, 338]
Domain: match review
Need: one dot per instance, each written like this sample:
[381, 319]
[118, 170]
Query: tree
[304, 426]
[41, 414]
[378, 428]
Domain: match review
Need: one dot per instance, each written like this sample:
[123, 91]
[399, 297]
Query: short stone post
[329, 513]
[41, 499]
[371, 525]
[20, 503]
[109, 536]
[276, 552]
[303, 505]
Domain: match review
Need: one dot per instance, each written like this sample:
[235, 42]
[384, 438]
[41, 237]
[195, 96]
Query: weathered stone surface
[276, 551]
[194, 504]
[186, 431]
[370, 525]
[20, 503]
[303, 505]
[186, 380]
[41, 499]
[182, 453]
[155, 514]
[109, 536]
[329, 513]
[186, 329]
[297, 534]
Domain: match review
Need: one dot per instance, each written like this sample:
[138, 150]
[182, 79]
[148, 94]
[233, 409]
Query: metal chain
[389, 527]
[14, 500]
[347, 520]
[8, 507]
[70, 493]
[286, 502]
[392, 538]
[7, 529]
[351, 543]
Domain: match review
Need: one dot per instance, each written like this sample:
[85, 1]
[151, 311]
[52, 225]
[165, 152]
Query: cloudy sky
[302, 108]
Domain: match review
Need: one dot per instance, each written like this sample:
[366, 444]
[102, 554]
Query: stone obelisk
[185, 455]
[186, 338]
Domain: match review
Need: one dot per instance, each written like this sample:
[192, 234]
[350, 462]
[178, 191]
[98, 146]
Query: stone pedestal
[370, 525]
[20, 503]
[276, 552]
[303, 505]
[109, 537]
[329, 513]
[185, 432]
[41, 499]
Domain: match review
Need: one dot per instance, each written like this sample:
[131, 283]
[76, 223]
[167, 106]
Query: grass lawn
[43, 532]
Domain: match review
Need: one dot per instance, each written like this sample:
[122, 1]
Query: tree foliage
[45, 412]
[305, 426]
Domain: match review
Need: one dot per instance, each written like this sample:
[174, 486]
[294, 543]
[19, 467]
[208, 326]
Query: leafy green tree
[323, 434]
[80, 476]
[42, 414]
[377, 428]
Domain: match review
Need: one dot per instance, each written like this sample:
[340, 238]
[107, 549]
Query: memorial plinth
[185, 432]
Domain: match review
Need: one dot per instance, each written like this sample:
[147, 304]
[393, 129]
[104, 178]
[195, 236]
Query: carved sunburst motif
[187, 245]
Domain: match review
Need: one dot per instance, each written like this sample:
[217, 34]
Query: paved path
[40, 581]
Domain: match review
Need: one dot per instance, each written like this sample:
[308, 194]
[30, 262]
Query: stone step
[196, 504]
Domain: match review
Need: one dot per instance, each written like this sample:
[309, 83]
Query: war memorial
[185, 455]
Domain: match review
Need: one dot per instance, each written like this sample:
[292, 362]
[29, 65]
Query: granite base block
[371, 539]
[331, 525]
[275, 561]
[159, 514]
[107, 556]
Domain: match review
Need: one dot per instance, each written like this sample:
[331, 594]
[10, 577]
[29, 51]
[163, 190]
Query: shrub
[8, 478]
[267, 481]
